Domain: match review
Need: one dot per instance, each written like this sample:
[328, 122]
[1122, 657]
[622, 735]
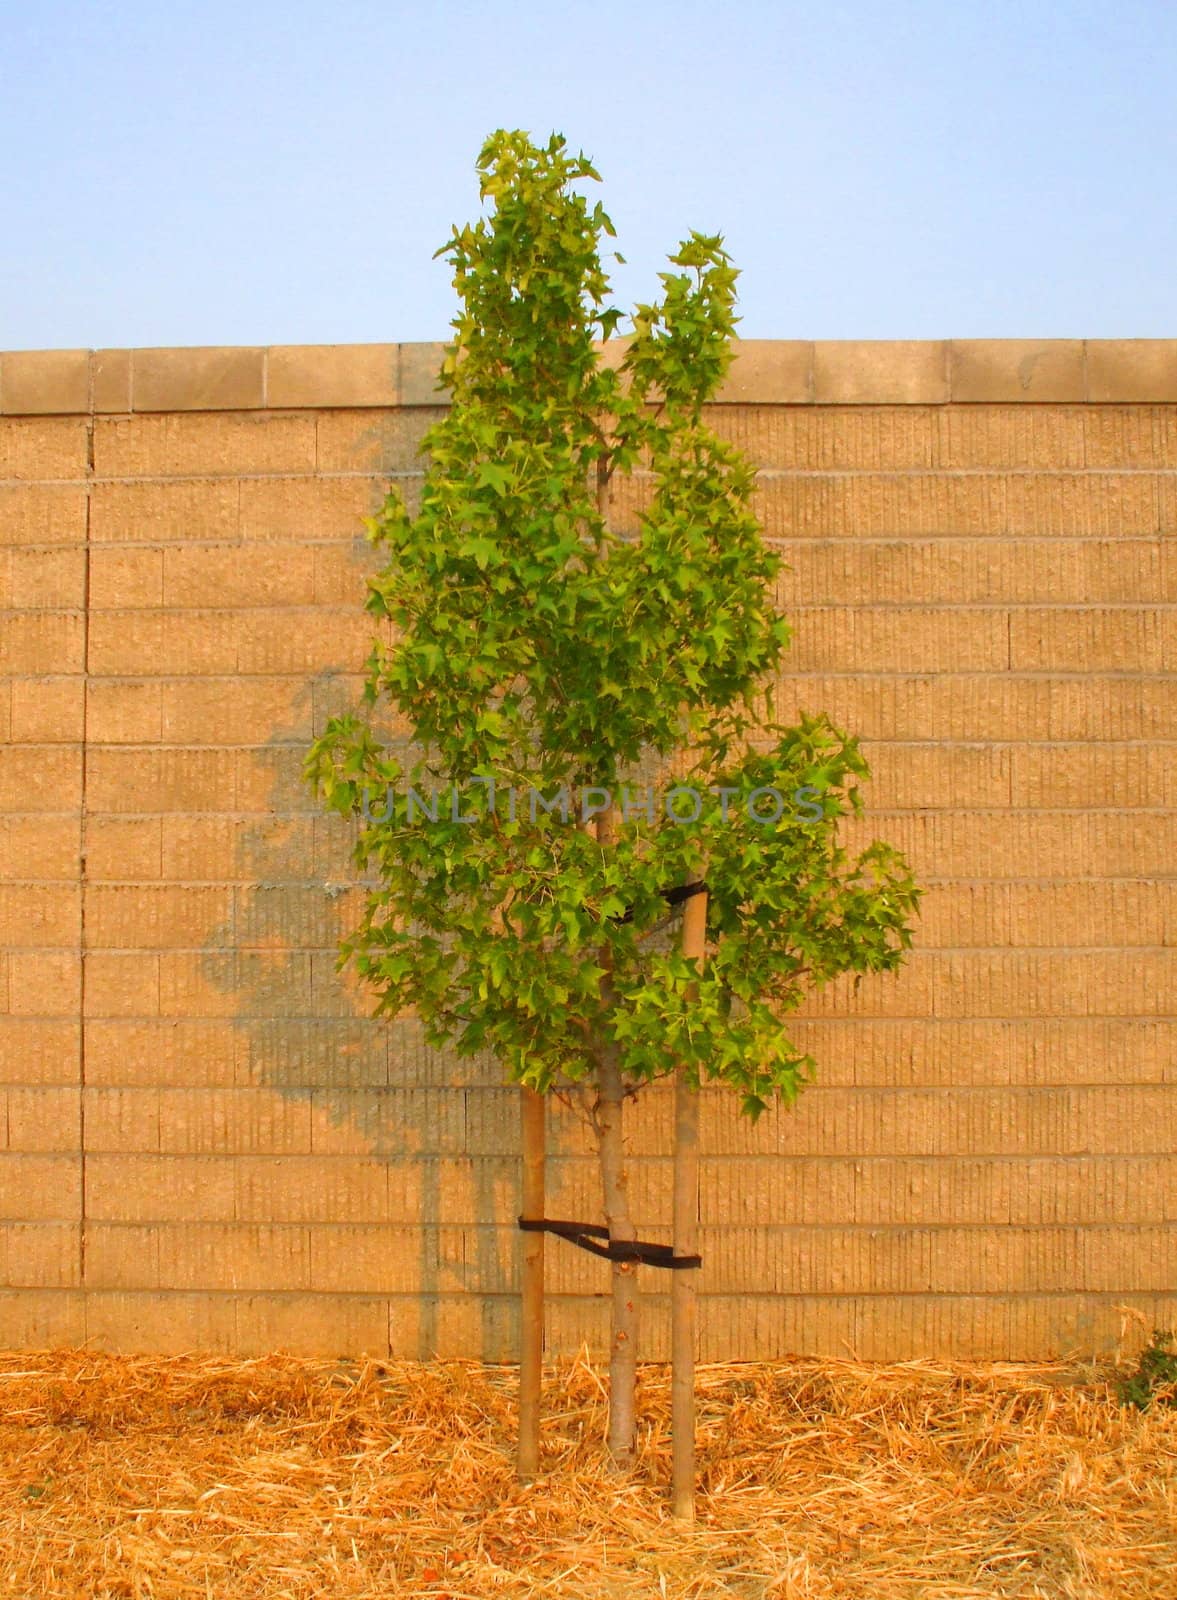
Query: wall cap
[884, 372]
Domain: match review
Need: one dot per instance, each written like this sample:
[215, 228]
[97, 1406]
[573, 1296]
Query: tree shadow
[442, 1127]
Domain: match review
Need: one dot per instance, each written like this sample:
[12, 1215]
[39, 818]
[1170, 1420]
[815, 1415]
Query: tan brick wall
[206, 1144]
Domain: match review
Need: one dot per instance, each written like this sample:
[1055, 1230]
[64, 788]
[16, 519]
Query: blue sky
[256, 173]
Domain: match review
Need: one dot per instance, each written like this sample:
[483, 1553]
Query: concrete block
[1132, 370]
[769, 372]
[1039, 370]
[44, 382]
[110, 381]
[329, 375]
[39, 448]
[880, 372]
[213, 379]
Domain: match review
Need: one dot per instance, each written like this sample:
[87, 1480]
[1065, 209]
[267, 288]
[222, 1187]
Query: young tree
[548, 658]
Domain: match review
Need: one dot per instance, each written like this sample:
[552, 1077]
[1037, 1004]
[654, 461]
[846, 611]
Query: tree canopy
[579, 616]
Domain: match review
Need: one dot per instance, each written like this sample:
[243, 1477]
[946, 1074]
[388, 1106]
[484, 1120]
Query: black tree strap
[673, 897]
[583, 1234]
[685, 891]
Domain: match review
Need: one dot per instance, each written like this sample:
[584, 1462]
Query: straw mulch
[284, 1477]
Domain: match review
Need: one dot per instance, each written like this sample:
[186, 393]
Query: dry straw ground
[284, 1477]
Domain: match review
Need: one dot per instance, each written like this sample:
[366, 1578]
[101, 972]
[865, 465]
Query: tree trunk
[623, 1342]
[625, 1314]
[532, 1109]
[686, 1243]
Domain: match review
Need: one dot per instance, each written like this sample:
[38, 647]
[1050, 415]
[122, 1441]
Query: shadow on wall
[376, 1092]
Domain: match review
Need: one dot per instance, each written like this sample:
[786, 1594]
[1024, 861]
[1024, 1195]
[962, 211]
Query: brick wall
[206, 1144]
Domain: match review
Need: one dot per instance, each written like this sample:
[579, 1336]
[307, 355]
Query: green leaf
[497, 477]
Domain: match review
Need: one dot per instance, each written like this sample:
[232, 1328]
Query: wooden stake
[625, 1312]
[533, 1110]
[686, 1243]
